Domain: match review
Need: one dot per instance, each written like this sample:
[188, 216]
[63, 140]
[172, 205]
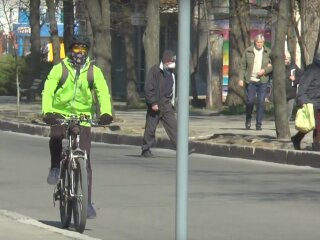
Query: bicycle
[72, 188]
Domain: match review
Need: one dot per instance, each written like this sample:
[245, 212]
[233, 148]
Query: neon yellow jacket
[73, 98]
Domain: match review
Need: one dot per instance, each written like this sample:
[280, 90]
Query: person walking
[160, 95]
[293, 74]
[308, 92]
[254, 71]
[74, 97]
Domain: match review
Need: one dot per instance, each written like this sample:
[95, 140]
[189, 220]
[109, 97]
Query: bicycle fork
[58, 192]
[75, 156]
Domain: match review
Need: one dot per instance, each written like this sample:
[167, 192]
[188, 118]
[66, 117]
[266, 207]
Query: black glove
[105, 119]
[51, 118]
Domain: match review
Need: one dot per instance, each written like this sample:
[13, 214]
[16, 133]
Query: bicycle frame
[74, 153]
[72, 187]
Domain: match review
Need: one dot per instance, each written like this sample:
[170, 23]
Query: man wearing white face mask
[160, 95]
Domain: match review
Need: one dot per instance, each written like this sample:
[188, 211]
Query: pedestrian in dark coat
[160, 95]
[309, 92]
[293, 74]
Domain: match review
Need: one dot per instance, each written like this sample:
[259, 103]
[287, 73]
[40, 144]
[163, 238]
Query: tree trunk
[239, 40]
[81, 16]
[199, 40]
[196, 53]
[292, 37]
[194, 50]
[99, 15]
[133, 98]
[54, 31]
[216, 55]
[279, 76]
[151, 34]
[310, 25]
[35, 40]
[68, 22]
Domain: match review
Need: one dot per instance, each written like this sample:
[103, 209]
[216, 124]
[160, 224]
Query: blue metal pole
[20, 46]
[183, 61]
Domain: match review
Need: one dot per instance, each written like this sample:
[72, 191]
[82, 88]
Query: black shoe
[248, 125]
[296, 143]
[258, 128]
[147, 154]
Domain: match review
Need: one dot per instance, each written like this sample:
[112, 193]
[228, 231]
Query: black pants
[166, 115]
[57, 134]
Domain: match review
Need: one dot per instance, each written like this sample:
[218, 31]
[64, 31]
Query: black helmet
[80, 39]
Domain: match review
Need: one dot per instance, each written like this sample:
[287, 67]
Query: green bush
[8, 66]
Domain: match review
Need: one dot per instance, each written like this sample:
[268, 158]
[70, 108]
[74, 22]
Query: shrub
[8, 73]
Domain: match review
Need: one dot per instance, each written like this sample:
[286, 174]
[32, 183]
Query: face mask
[78, 58]
[171, 65]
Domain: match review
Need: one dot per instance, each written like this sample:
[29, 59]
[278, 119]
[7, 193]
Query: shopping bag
[305, 121]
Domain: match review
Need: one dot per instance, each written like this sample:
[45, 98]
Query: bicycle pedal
[56, 195]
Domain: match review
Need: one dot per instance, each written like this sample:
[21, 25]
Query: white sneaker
[53, 176]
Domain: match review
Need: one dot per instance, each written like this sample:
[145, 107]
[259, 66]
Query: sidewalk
[18, 227]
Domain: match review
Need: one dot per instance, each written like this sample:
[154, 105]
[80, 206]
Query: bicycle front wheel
[65, 200]
[80, 201]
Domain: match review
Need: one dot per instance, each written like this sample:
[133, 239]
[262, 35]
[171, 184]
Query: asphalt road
[229, 199]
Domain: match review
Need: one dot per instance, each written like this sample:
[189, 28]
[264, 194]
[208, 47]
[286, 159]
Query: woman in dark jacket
[293, 74]
[309, 92]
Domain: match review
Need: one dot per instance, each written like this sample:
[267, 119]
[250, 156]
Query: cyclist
[74, 97]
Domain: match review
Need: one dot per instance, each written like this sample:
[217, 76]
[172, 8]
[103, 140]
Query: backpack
[65, 73]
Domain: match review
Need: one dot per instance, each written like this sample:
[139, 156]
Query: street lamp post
[183, 116]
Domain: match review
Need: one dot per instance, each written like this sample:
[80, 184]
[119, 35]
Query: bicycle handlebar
[74, 119]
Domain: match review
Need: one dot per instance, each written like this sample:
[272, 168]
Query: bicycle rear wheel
[80, 202]
[65, 200]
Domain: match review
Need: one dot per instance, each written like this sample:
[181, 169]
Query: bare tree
[7, 8]
[279, 78]
[132, 95]
[123, 25]
[99, 15]
[151, 35]
[34, 63]
[239, 41]
[291, 33]
[68, 22]
[53, 30]
[310, 26]
[133, 98]
[215, 78]
[199, 39]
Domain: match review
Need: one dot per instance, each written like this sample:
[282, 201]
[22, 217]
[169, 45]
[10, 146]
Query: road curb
[282, 156]
[35, 223]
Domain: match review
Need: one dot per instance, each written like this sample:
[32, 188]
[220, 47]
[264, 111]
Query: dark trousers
[254, 90]
[57, 134]
[168, 119]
